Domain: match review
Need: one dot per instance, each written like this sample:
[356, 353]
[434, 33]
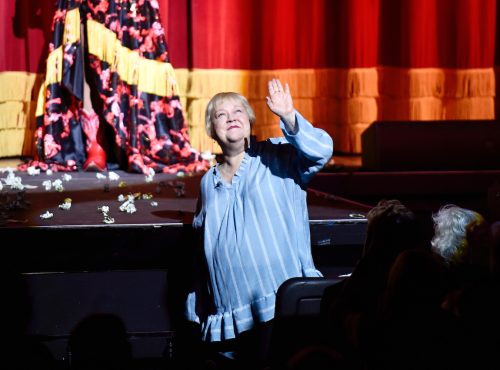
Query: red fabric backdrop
[276, 34]
[400, 36]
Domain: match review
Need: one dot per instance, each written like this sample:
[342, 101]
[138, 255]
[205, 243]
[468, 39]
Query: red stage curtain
[348, 62]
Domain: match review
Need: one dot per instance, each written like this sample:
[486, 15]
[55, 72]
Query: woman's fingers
[278, 85]
[287, 89]
[275, 86]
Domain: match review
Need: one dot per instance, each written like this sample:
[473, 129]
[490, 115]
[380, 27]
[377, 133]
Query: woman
[253, 219]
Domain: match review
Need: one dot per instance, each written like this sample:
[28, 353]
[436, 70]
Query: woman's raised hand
[280, 101]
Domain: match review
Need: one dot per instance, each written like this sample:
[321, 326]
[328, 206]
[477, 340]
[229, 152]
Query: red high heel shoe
[96, 156]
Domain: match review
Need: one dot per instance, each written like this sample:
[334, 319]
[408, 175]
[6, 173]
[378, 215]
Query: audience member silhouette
[464, 239]
[100, 342]
[315, 357]
[350, 312]
[412, 330]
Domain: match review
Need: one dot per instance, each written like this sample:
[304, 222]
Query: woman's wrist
[290, 121]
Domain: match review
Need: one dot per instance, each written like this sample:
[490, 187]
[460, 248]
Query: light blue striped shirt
[256, 230]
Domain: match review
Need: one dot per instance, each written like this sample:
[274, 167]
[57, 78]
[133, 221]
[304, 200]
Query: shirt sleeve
[314, 146]
[199, 215]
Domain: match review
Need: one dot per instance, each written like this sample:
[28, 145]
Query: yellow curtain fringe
[304, 83]
[13, 115]
[469, 108]
[128, 67]
[40, 104]
[17, 86]
[423, 109]
[411, 82]
[358, 110]
[150, 76]
[72, 26]
[11, 142]
[497, 76]
[347, 139]
[436, 82]
[352, 144]
[342, 101]
[346, 83]
[182, 78]
[428, 109]
[345, 119]
[17, 117]
[465, 83]
[203, 84]
[54, 66]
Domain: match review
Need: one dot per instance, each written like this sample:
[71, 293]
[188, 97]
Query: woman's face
[231, 123]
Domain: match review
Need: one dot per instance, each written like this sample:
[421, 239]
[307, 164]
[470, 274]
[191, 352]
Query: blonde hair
[219, 98]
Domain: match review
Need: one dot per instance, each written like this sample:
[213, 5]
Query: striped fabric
[256, 230]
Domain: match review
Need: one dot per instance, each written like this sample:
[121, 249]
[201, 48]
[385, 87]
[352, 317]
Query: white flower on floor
[103, 209]
[47, 215]
[33, 171]
[15, 182]
[113, 176]
[121, 198]
[100, 176]
[66, 205]
[154, 204]
[49, 172]
[47, 184]
[66, 177]
[150, 175]
[57, 184]
[128, 206]
[108, 219]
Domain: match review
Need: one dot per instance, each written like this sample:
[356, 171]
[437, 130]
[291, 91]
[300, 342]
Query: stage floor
[79, 238]
[166, 200]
